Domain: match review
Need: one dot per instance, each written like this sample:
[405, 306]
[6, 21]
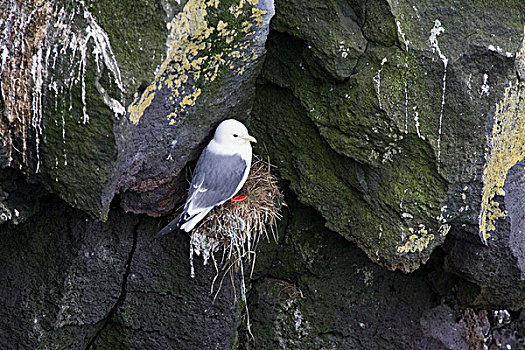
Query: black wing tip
[173, 226]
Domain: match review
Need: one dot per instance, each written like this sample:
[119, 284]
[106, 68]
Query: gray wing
[215, 180]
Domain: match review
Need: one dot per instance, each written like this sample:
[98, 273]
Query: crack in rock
[122, 295]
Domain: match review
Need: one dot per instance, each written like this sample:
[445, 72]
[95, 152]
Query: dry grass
[238, 227]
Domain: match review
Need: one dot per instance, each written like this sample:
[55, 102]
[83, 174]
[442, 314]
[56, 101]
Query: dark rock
[61, 275]
[350, 192]
[338, 23]
[166, 308]
[18, 198]
[477, 328]
[322, 292]
[499, 268]
[439, 323]
[214, 55]
[398, 125]
[71, 282]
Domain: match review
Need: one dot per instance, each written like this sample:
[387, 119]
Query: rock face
[396, 127]
[297, 304]
[394, 154]
[114, 99]
[70, 282]
[213, 57]
[109, 105]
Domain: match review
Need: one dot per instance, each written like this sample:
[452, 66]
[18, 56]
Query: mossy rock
[392, 155]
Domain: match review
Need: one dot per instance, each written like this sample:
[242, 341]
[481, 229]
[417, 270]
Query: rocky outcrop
[214, 54]
[419, 139]
[111, 91]
[114, 99]
[321, 291]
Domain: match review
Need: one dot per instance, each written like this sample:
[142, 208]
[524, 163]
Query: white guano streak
[407, 43]
[377, 80]
[434, 45]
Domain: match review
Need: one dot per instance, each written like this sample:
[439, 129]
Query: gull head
[232, 132]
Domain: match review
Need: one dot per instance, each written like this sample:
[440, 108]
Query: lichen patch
[200, 49]
[506, 149]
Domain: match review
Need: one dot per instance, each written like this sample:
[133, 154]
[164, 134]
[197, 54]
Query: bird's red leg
[238, 199]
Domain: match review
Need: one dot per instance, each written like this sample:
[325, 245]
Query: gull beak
[250, 138]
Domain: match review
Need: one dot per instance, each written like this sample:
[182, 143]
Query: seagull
[221, 171]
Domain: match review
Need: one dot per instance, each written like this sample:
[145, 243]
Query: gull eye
[235, 135]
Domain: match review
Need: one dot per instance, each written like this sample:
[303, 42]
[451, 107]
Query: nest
[238, 227]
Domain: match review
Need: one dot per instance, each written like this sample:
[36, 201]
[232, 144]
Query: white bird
[221, 171]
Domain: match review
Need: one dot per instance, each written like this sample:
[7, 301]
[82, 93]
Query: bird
[221, 171]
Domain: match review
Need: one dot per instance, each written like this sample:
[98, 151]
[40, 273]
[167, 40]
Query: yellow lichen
[238, 10]
[415, 243]
[181, 48]
[137, 107]
[246, 25]
[189, 57]
[190, 99]
[506, 149]
[221, 25]
[257, 15]
[418, 240]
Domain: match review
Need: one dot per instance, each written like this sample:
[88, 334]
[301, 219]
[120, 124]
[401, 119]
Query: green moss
[206, 40]
[375, 184]
[78, 156]
[305, 159]
[137, 32]
[380, 24]
[332, 31]
[234, 344]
